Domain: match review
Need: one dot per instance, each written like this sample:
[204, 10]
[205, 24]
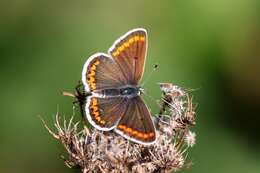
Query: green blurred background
[210, 45]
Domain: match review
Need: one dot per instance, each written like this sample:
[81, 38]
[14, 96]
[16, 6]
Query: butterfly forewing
[101, 72]
[104, 113]
[129, 51]
[136, 124]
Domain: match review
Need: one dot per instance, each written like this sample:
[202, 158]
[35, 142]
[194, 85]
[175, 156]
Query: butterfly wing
[100, 72]
[129, 51]
[105, 113]
[123, 66]
[136, 123]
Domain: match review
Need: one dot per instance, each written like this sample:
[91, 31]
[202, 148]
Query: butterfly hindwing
[100, 72]
[105, 113]
[136, 124]
[129, 51]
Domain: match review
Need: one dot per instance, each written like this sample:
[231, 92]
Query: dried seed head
[96, 151]
[190, 139]
[173, 90]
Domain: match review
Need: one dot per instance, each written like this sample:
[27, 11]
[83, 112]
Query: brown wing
[100, 72]
[129, 51]
[136, 124]
[105, 113]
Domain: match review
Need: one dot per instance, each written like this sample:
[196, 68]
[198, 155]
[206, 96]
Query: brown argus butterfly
[114, 100]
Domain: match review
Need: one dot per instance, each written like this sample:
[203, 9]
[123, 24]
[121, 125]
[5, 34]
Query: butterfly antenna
[155, 66]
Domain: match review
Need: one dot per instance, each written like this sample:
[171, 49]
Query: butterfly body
[125, 91]
[114, 101]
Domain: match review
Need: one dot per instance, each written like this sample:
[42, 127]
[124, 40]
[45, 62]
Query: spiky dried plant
[96, 151]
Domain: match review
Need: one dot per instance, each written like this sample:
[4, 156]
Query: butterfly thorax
[128, 91]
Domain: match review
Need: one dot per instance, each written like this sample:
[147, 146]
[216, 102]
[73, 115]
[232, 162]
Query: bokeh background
[211, 46]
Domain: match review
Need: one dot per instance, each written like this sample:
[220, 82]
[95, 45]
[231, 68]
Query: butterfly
[111, 81]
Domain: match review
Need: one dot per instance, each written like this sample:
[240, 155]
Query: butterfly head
[140, 90]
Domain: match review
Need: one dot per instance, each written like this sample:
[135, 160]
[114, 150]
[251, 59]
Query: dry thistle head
[96, 151]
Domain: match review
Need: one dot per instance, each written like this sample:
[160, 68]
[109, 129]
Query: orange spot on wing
[126, 44]
[94, 108]
[98, 119]
[131, 40]
[93, 86]
[146, 136]
[134, 132]
[142, 38]
[121, 48]
[140, 135]
[136, 38]
[91, 76]
[96, 114]
[151, 134]
[91, 80]
[92, 73]
[94, 101]
[116, 53]
[120, 126]
[97, 62]
[128, 130]
[93, 67]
